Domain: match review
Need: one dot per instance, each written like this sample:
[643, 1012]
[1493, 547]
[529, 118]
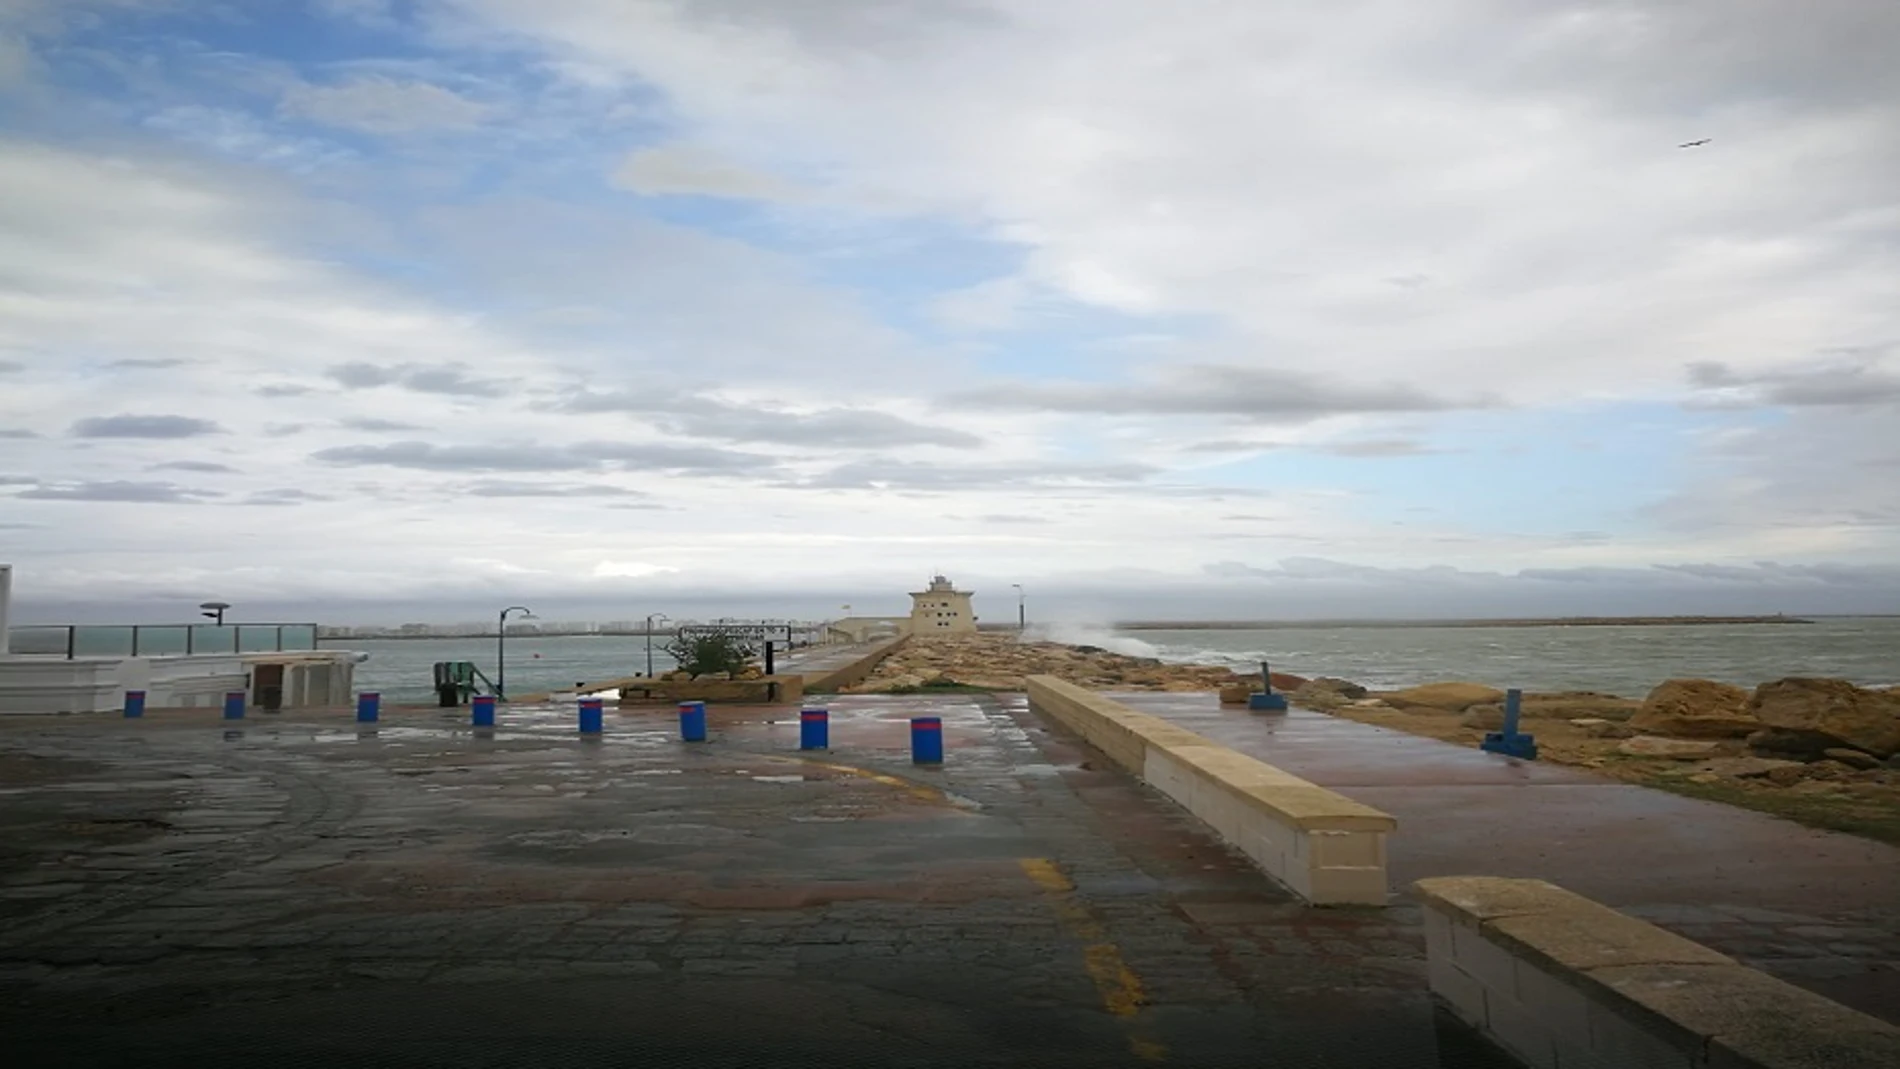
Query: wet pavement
[1818, 909]
[293, 888]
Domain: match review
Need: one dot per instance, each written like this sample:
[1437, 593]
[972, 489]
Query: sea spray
[1101, 636]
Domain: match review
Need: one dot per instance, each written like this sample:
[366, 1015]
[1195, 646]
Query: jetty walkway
[1818, 909]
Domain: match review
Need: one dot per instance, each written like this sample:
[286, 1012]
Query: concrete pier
[428, 895]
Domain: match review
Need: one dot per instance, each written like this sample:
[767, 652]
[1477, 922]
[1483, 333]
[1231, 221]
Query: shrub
[711, 654]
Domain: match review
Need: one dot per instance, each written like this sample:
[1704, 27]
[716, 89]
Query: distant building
[941, 609]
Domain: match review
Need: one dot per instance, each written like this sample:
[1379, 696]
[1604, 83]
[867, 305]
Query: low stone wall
[855, 671]
[1327, 848]
[1560, 980]
[785, 690]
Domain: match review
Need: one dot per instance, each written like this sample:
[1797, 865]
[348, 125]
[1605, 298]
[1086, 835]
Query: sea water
[1613, 659]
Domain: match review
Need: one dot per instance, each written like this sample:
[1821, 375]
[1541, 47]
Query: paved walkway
[1819, 909]
[813, 660]
[183, 891]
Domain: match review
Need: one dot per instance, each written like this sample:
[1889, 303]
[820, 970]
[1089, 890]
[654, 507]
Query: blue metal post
[926, 740]
[134, 704]
[482, 711]
[1510, 741]
[369, 706]
[814, 729]
[693, 721]
[234, 705]
[590, 716]
[1267, 700]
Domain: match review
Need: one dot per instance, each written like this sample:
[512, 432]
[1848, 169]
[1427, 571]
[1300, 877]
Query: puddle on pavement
[783, 779]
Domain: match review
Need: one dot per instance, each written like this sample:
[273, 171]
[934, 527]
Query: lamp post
[215, 611]
[652, 616]
[1022, 617]
[501, 648]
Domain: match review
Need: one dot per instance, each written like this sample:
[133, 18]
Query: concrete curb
[1327, 848]
[1558, 979]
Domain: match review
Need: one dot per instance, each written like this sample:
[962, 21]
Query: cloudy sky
[365, 309]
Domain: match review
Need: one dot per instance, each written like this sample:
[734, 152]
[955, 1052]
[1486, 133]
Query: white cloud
[1281, 213]
[381, 105]
[1275, 170]
[17, 63]
[686, 169]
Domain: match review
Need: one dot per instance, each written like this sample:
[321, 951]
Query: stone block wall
[1561, 981]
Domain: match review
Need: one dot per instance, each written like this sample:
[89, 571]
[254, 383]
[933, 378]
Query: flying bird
[1692, 144]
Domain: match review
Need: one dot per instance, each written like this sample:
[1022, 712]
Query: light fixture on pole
[215, 610]
[1022, 616]
[501, 648]
[652, 616]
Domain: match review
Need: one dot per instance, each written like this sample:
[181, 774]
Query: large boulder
[1236, 693]
[1484, 717]
[1344, 687]
[1443, 697]
[1807, 716]
[1674, 749]
[1696, 709]
[1571, 704]
[1326, 694]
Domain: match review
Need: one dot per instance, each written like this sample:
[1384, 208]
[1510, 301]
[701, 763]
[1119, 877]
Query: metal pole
[501, 655]
[649, 645]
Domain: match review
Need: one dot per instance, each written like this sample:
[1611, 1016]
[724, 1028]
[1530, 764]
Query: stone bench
[1559, 980]
[1327, 848]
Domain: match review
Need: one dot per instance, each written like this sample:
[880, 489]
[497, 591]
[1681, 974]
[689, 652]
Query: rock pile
[1696, 709]
[1810, 717]
[1000, 662]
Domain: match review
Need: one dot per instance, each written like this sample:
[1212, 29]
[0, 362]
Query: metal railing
[159, 640]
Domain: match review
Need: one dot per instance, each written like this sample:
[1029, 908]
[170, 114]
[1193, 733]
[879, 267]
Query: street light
[652, 616]
[1022, 618]
[215, 610]
[501, 648]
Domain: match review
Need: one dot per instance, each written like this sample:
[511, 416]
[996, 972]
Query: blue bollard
[234, 705]
[693, 721]
[926, 740]
[1266, 701]
[369, 706]
[482, 711]
[1510, 742]
[814, 729]
[134, 704]
[590, 716]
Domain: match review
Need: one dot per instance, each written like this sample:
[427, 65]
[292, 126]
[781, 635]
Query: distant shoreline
[492, 635]
[1558, 621]
[1214, 625]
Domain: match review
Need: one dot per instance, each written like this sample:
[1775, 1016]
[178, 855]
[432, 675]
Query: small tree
[711, 654]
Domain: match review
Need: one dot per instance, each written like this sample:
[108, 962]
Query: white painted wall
[34, 684]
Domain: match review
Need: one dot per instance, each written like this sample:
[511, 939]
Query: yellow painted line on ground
[916, 790]
[1116, 984]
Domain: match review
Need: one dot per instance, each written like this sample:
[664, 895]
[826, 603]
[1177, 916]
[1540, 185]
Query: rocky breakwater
[1001, 662]
[1829, 748]
[1473, 705]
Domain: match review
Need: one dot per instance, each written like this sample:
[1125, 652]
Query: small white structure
[57, 683]
[941, 609]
